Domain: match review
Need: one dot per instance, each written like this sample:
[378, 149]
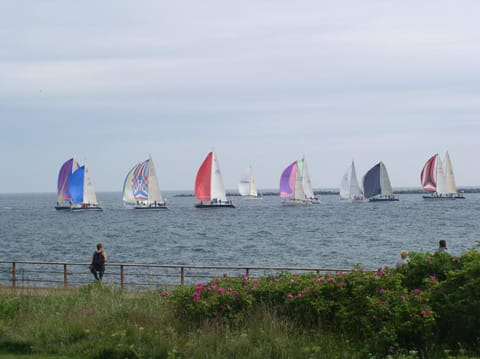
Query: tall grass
[100, 321]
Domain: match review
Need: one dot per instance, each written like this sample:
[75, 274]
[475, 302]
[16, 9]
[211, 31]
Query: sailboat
[83, 195]
[63, 192]
[440, 183]
[209, 188]
[291, 185]
[141, 189]
[246, 186]
[307, 183]
[349, 188]
[376, 184]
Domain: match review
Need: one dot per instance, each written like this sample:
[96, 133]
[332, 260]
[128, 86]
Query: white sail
[345, 184]
[253, 187]
[441, 180]
[349, 187]
[217, 189]
[154, 194]
[299, 193]
[385, 181]
[246, 186]
[355, 190]
[307, 183]
[449, 176]
[89, 196]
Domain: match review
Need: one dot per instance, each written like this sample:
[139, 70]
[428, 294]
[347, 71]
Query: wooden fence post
[65, 275]
[122, 276]
[14, 274]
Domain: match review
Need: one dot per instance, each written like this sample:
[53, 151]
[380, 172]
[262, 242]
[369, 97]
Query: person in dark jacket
[99, 259]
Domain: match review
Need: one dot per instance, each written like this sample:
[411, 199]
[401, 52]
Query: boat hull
[441, 198]
[86, 208]
[62, 208]
[296, 202]
[149, 208]
[215, 205]
[383, 199]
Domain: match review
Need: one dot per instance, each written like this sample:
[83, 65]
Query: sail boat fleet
[141, 190]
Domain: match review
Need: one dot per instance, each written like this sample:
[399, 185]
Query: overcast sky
[260, 82]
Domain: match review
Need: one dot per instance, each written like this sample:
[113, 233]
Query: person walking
[99, 259]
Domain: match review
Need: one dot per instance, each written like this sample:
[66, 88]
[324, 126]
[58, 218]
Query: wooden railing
[128, 275]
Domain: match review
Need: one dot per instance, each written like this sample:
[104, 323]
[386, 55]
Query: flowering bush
[432, 301]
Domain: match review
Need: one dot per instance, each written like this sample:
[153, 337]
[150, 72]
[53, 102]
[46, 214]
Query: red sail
[203, 180]
[428, 175]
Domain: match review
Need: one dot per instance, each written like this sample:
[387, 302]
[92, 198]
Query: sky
[260, 82]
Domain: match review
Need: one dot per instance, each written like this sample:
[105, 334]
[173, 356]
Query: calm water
[258, 232]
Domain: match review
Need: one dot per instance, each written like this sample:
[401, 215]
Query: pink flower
[229, 289]
[292, 280]
[300, 295]
[165, 294]
[196, 296]
[341, 284]
[330, 280]
[429, 260]
[382, 291]
[402, 297]
[340, 273]
[199, 287]
[225, 275]
[425, 313]
[320, 279]
[289, 296]
[221, 291]
[237, 294]
[245, 277]
[417, 291]
[432, 278]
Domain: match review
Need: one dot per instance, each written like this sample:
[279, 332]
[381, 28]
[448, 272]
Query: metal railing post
[122, 276]
[247, 272]
[65, 275]
[14, 274]
[182, 275]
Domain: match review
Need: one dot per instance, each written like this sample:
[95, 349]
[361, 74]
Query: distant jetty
[333, 192]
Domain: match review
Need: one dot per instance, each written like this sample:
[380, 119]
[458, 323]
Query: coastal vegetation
[428, 308]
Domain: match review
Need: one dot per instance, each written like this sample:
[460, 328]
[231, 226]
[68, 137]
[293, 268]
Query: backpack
[98, 259]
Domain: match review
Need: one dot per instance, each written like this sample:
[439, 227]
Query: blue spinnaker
[75, 185]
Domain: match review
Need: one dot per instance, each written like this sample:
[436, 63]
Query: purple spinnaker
[286, 183]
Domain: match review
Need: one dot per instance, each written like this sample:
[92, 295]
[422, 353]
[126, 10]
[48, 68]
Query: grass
[100, 321]
[103, 322]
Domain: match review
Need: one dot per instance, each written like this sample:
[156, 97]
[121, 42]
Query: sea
[258, 232]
